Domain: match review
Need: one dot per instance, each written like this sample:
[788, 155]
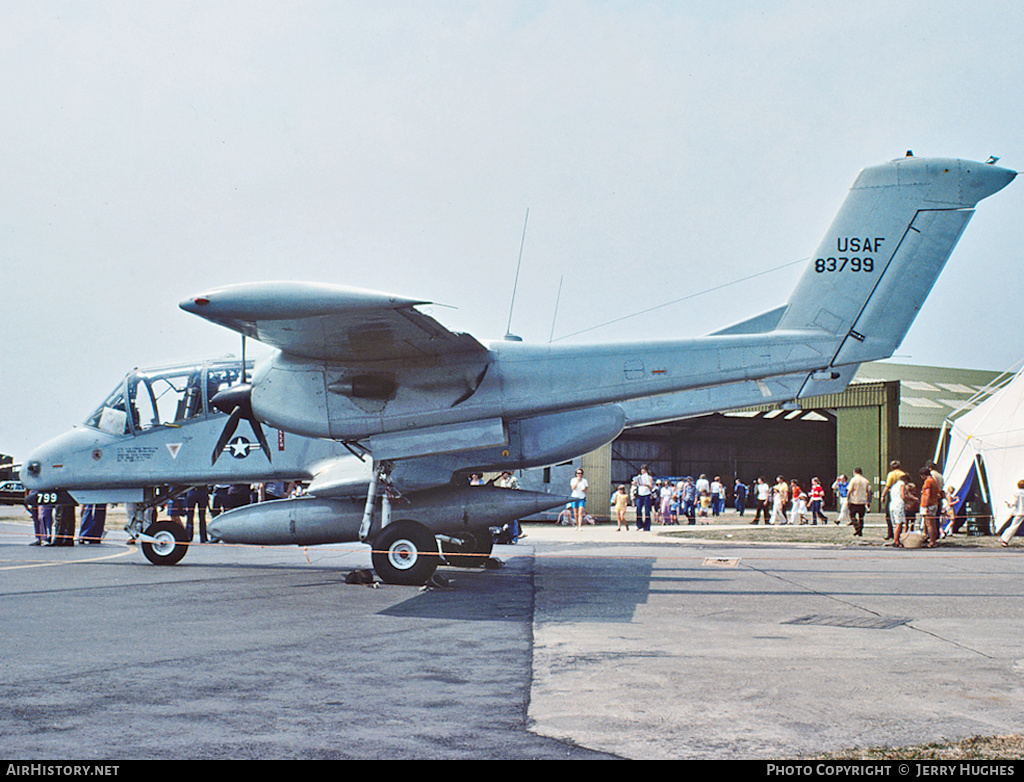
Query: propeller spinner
[237, 402]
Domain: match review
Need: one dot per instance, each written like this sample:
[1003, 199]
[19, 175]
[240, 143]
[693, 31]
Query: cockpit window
[162, 398]
[220, 377]
[112, 415]
[168, 397]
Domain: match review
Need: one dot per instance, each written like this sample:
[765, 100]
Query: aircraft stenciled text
[137, 453]
[840, 264]
[845, 261]
[854, 244]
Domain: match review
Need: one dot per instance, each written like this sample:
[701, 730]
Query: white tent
[986, 446]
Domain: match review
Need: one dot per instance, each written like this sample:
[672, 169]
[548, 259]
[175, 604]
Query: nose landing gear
[164, 543]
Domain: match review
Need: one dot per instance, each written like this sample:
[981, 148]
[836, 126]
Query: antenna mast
[508, 331]
[554, 316]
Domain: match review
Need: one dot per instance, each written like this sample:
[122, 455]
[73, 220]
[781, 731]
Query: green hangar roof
[930, 394]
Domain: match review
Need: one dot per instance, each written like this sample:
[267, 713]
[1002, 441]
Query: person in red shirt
[798, 514]
[817, 499]
[931, 497]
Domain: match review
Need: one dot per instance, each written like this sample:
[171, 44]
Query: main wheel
[170, 543]
[472, 554]
[405, 553]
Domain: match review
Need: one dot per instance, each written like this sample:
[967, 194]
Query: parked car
[12, 493]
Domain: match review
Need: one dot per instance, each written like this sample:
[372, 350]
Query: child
[705, 505]
[621, 501]
[949, 502]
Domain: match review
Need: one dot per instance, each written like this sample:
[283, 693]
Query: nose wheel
[405, 553]
[164, 543]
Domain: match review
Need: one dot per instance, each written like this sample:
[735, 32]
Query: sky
[685, 154]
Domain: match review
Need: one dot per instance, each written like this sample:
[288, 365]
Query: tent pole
[982, 477]
[939, 450]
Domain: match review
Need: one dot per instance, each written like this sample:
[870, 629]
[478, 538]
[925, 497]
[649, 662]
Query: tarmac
[762, 650]
[587, 644]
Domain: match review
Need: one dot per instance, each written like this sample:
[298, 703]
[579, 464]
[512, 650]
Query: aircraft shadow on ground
[504, 595]
[604, 589]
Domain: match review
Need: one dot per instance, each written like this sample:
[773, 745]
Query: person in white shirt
[579, 487]
[763, 491]
[644, 500]
[717, 492]
[897, 510]
[1017, 511]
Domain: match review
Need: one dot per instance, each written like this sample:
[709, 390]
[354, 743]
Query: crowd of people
[659, 501]
[907, 501]
[669, 501]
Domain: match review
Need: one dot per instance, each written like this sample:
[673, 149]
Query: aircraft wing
[330, 322]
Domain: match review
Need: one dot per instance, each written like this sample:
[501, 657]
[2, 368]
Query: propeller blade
[237, 401]
[257, 429]
[229, 429]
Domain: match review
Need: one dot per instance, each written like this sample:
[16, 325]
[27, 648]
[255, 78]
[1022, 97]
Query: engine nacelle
[556, 437]
[531, 442]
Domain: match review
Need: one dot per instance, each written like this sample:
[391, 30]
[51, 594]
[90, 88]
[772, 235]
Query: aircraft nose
[48, 467]
[33, 473]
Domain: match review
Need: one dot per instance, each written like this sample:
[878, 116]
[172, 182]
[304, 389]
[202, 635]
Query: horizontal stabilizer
[760, 324]
[661, 408]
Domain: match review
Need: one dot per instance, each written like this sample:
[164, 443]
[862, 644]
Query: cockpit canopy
[165, 396]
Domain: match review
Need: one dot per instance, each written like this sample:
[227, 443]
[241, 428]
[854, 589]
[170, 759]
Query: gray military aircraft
[427, 405]
[151, 439]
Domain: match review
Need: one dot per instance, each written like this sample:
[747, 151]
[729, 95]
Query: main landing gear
[405, 552]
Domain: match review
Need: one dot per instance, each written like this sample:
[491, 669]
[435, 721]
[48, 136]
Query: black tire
[473, 554]
[405, 553]
[170, 545]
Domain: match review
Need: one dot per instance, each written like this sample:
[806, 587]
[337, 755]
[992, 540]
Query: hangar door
[797, 444]
[829, 435]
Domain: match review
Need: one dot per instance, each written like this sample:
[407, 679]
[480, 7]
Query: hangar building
[889, 411]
